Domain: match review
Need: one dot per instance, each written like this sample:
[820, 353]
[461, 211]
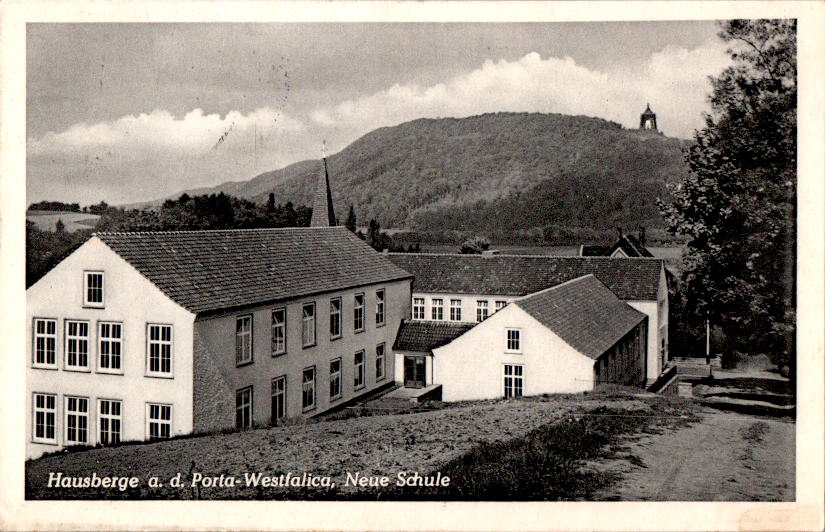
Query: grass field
[46, 220]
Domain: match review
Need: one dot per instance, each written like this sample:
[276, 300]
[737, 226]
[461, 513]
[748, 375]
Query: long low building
[473, 288]
[138, 336]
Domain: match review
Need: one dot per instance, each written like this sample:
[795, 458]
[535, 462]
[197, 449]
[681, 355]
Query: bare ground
[724, 457]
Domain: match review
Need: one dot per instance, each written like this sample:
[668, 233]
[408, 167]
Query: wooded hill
[503, 172]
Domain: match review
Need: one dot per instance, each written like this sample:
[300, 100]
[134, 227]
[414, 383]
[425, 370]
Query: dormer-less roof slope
[424, 336]
[212, 270]
[584, 313]
[519, 275]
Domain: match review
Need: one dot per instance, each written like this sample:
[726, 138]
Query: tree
[737, 205]
[350, 223]
[474, 246]
[270, 203]
[59, 227]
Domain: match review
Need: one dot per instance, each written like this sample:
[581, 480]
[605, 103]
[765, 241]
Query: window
[379, 308]
[500, 305]
[278, 331]
[380, 364]
[158, 421]
[335, 379]
[308, 388]
[437, 309]
[308, 325]
[93, 289]
[110, 347]
[418, 308]
[358, 313]
[109, 421]
[45, 342]
[77, 345]
[77, 420]
[513, 380]
[45, 417]
[455, 310]
[481, 310]
[243, 408]
[358, 380]
[159, 348]
[278, 398]
[514, 340]
[243, 340]
[335, 318]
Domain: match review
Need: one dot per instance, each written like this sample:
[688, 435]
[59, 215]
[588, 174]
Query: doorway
[414, 372]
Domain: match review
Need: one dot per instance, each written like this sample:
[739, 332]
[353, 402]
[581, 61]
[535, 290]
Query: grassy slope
[505, 170]
[465, 440]
[46, 220]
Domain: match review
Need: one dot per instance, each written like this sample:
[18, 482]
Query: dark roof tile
[424, 336]
[519, 275]
[584, 313]
[212, 270]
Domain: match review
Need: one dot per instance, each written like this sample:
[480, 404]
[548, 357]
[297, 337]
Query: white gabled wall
[132, 300]
[472, 366]
[657, 313]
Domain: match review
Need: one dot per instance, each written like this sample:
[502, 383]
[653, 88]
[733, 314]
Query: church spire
[323, 215]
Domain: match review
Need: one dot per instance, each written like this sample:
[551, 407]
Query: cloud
[151, 155]
[673, 80]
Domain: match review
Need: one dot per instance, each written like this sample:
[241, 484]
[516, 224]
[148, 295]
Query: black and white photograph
[394, 256]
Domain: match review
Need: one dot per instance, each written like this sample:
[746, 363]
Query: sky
[133, 112]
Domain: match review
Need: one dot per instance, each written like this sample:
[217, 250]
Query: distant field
[46, 220]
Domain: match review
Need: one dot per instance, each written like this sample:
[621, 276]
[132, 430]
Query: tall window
[77, 344]
[278, 331]
[500, 305]
[45, 342]
[308, 325]
[159, 346]
[358, 313]
[243, 408]
[93, 289]
[77, 420]
[358, 379]
[335, 379]
[278, 398]
[437, 309]
[335, 317]
[243, 340]
[308, 388]
[513, 380]
[109, 421]
[455, 310]
[482, 310]
[514, 340]
[379, 308]
[380, 362]
[110, 347]
[45, 417]
[158, 421]
[418, 308]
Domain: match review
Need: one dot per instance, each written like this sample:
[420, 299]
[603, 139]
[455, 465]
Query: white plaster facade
[471, 367]
[469, 304]
[130, 300]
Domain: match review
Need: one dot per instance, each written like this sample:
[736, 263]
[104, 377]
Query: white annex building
[480, 323]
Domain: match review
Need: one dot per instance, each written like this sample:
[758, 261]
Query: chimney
[642, 237]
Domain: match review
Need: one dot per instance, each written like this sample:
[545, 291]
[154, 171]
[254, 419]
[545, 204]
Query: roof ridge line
[532, 256]
[239, 230]
[551, 288]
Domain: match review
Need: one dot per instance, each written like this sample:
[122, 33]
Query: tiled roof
[212, 270]
[424, 336]
[519, 275]
[631, 247]
[584, 313]
[591, 250]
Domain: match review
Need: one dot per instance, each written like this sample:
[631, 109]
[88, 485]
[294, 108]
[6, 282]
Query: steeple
[647, 120]
[323, 215]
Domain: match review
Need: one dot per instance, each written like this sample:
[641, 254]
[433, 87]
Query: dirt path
[725, 457]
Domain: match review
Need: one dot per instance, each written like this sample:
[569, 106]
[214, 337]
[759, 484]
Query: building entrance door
[414, 372]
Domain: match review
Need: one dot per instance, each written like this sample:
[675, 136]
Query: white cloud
[674, 81]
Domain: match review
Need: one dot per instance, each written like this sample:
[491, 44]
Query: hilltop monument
[647, 120]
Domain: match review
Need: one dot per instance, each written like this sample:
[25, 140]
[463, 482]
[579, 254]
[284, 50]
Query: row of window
[244, 396]
[437, 309]
[77, 346]
[76, 420]
[244, 325]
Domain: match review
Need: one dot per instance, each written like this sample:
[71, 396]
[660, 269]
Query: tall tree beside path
[737, 206]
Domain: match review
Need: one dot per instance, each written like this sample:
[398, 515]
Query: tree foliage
[737, 205]
[474, 246]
